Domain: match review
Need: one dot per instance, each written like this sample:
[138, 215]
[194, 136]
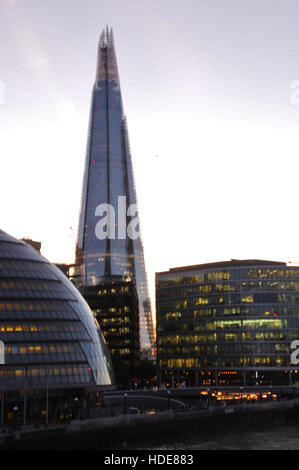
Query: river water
[278, 438]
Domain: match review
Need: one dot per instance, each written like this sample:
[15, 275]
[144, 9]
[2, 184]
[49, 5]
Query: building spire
[111, 58]
[106, 63]
[100, 74]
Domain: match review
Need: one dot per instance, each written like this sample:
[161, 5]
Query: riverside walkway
[131, 430]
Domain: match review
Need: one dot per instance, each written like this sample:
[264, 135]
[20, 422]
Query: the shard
[109, 240]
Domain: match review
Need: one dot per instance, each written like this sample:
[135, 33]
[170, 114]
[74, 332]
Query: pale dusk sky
[213, 124]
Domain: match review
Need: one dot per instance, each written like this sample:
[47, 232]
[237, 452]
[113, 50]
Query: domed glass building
[52, 341]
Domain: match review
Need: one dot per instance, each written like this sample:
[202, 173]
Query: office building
[227, 323]
[114, 303]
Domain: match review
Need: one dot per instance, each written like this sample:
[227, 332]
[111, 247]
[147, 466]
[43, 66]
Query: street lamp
[76, 400]
[2, 361]
[168, 399]
[15, 410]
[125, 403]
[25, 395]
[47, 398]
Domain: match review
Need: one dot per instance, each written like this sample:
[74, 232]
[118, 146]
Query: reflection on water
[280, 438]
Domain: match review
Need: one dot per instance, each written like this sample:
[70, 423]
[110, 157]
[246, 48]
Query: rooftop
[233, 263]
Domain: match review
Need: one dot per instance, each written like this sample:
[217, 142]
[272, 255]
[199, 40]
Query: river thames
[278, 438]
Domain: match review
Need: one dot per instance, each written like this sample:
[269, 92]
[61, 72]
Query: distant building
[36, 245]
[114, 303]
[65, 268]
[228, 323]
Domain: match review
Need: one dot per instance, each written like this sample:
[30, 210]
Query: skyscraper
[109, 241]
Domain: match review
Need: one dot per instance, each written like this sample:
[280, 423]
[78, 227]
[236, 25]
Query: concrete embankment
[141, 430]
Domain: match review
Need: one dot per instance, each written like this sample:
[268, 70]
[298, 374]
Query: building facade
[114, 303]
[109, 240]
[51, 338]
[36, 245]
[227, 323]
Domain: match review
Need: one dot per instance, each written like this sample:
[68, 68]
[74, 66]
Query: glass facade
[49, 332]
[228, 322]
[114, 304]
[109, 192]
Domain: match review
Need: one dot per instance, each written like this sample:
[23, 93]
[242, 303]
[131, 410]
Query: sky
[210, 93]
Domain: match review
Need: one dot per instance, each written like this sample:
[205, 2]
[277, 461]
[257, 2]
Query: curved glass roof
[49, 331]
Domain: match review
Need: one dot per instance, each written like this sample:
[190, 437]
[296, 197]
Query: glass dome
[49, 331]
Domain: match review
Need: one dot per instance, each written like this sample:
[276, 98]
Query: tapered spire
[106, 63]
[101, 73]
[111, 56]
[105, 245]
